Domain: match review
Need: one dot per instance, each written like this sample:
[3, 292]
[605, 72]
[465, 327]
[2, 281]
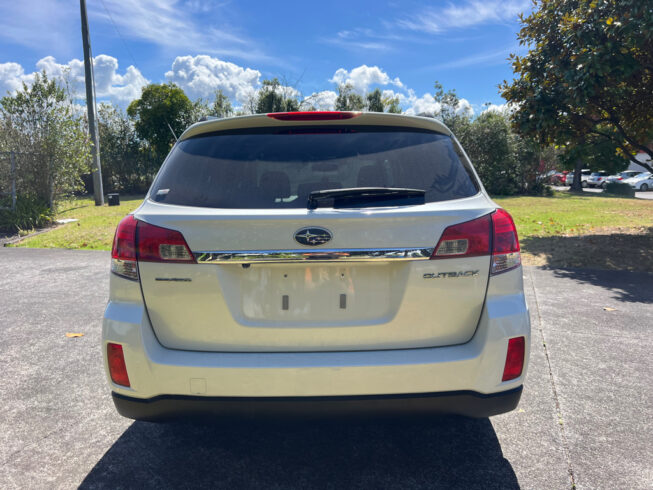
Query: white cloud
[201, 76]
[503, 109]
[322, 101]
[109, 83]
[363, 76]
[465, 14]
[425, 104]
[12, 76]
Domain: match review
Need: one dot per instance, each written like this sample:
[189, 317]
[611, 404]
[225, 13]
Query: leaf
[609, 21]
[607, 308]
[71, 335]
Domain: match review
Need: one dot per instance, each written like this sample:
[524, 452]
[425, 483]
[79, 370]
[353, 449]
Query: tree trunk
[576, 185]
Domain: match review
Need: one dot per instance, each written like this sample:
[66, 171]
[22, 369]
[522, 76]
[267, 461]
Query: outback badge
[442, 275]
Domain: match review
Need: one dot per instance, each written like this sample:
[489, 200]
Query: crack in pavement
[563, 434]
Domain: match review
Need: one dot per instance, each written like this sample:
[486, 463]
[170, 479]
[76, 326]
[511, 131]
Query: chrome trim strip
[340, 255]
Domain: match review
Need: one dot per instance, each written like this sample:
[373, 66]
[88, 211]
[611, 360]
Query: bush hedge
[619, 189]
[30, 213]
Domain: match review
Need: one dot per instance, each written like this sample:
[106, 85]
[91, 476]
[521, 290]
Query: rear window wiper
[366, 196]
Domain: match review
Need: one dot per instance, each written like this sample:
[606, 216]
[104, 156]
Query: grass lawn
[93, 231]
[565, 230]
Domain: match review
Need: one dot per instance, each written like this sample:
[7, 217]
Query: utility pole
[90, 106]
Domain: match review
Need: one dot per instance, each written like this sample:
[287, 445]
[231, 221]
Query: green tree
[221, 105]
[588, 76]
[374, 101]
[391, 105]
[449, 111]
[39, 122]
[488, 142]
[124, 166]
[348, 100]
[161, 114]
[272, 97]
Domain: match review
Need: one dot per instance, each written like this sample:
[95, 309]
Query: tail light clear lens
[117, 367]
[514, 358]
[493, 234]
[139, 241]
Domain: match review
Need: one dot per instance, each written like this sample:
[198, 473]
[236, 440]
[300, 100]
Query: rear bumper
[466, 403]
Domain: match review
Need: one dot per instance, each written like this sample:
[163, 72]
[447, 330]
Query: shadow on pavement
[436, 453]
[630, 287]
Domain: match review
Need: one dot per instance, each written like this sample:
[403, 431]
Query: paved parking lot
[586, 417]
[597, 190]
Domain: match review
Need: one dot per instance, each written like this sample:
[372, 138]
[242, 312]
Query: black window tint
[279, 168]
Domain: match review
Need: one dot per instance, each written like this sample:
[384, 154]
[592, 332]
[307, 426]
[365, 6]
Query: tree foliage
[40, 124]
[125, 167]
[588, 74]
[348, 100]
[221, 105]
[375, 101]
[273, 97]
[162, 109]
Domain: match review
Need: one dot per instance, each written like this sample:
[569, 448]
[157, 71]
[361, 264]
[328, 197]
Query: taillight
[468, 239]
[117, 367]
[514, 358]
[505, 244]
[493, 234]
[312, 115]
[123, 252]
[139, 241]
[157, 244]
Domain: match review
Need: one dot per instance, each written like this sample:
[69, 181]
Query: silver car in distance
[316, 263]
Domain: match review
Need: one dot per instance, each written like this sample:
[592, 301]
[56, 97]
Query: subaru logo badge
[313, 236]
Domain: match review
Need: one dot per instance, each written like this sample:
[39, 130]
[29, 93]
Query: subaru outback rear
[316, 263]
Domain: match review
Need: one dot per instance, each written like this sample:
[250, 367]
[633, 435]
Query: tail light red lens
[514, 358]
[505, 244]
[468, 239]
[313, 115]
[139, 241]
[117, 367]
[493, 234]
[123, 252]
[157, 244]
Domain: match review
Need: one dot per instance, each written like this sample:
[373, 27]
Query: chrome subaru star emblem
[313, 236]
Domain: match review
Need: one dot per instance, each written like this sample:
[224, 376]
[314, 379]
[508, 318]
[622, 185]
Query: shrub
[30, 213]
[620, 189]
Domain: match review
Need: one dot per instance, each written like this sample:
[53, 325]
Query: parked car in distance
[316, 263]
[585, 175]
[597, 179]
[558, 178]
[626, 174]
[641, 182]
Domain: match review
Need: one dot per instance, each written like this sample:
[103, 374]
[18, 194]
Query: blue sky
[401, 47]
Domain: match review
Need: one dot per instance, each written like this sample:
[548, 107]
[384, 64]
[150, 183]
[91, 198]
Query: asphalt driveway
[586, 417]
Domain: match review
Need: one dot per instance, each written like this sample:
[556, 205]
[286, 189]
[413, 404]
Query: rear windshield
[280, 167]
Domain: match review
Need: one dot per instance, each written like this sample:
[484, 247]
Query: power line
[119, 35]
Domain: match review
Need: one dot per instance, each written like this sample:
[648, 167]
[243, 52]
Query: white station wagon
[316, 263]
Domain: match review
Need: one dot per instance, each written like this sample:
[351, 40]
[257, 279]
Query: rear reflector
[139, 241]
[514, 359]
[313, 115]
[117, 367]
